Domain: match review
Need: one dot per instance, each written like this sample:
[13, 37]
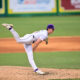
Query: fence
[39, 7]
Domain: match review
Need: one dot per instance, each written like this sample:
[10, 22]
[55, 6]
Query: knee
[18, 41]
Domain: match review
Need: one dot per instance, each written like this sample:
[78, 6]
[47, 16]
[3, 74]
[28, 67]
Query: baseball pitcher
[28, 39]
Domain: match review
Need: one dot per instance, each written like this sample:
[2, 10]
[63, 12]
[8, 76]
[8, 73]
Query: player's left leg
[29, 51]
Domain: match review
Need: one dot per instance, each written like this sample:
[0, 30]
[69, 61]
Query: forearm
[35, 46]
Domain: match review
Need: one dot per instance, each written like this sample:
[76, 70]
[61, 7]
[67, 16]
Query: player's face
[50, 31]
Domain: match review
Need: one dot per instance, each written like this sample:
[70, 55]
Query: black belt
[33, 36]
[33, 40]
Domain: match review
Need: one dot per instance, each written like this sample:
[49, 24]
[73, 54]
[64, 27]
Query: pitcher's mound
[26, 73]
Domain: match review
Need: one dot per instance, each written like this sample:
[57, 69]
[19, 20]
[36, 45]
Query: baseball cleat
[8, 26]
[40, 72]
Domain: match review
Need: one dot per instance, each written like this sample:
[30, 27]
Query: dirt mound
[26, 73]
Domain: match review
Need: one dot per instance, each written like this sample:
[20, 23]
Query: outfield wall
[39, 7]
[68, 7]
[2, 7]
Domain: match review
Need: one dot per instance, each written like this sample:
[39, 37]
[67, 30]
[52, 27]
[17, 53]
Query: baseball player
[36, 38]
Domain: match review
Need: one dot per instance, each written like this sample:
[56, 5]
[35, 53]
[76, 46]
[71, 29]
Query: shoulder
[44, 32]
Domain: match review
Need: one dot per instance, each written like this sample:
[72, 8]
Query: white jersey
[42, 35]
[31, 38]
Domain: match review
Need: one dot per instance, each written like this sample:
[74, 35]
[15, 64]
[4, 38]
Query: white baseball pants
[26, 40]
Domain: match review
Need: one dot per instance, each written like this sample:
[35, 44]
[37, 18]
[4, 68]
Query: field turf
[64, 25]
[66, 60]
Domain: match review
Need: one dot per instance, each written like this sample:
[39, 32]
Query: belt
[33, 38]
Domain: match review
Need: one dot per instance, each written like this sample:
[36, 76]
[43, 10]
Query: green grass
[64, 25]
[69, 60]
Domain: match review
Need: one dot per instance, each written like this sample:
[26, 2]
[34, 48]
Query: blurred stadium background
[32, 15]
[39, 7]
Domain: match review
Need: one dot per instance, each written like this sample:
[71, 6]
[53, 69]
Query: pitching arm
[36, 44]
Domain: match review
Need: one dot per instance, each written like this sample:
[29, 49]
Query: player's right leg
[28, 39]
[14, 33]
